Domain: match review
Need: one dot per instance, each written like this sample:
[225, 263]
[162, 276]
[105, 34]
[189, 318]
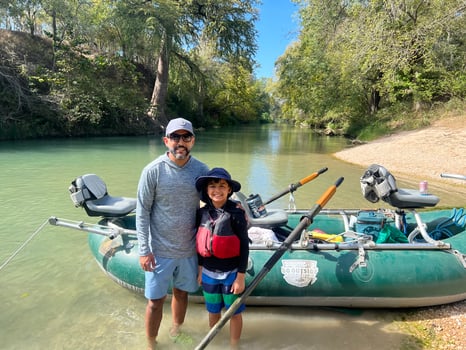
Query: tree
[182, 25]
[24, 14]
[308, 83]
[354, 58]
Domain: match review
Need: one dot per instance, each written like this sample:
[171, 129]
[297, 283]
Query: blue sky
[277, 27]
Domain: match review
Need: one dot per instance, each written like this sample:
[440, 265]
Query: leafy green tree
[23, 14]
[182, 25]
[411, 34]
[235, 98]
[308, 84]
[155, 40]
[354, 58]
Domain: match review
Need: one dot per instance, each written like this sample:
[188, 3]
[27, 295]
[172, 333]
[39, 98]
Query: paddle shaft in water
[294, 186]
[306, 220]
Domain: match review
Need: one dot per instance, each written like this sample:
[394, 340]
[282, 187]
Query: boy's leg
[236, 326]
[213, 319]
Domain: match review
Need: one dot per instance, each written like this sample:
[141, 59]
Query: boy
[223, 255]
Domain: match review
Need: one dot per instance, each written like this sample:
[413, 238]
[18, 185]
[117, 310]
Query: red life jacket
[216, 237]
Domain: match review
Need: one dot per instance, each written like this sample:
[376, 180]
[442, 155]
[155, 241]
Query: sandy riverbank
[425, 153]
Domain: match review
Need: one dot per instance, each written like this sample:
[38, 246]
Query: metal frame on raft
[354, 240]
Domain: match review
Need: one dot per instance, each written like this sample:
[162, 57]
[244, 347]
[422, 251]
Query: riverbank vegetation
[99, 67]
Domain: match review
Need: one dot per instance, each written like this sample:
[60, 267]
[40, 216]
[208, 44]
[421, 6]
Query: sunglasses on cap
[178, 137]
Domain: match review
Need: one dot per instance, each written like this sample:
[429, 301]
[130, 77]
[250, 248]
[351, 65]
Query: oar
[294, 187]
[306, 220]
[454, 176]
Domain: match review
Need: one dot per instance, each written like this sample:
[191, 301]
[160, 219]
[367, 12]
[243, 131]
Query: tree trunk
[160, 92]
[54, 37]
[375, 101]
[200, 105]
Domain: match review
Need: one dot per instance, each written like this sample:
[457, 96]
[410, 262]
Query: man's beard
[179, 155]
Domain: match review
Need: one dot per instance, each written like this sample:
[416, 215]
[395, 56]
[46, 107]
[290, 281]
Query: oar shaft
[294, 186]
[306, 220]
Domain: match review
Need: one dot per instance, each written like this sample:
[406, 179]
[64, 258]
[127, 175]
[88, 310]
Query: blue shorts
[180, 273]
[217, 293]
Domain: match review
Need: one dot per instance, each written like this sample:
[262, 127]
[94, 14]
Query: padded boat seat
[90, 192]
[404, 199]
[274, 217]
[377, 183]
[109, 206]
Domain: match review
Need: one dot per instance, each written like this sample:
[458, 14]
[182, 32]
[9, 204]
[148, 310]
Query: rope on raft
[7, 261]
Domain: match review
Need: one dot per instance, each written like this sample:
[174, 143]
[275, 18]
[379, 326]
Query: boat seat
[109, 206]
[378, 183]
[90, 192]
[274, 217]
[404, 198]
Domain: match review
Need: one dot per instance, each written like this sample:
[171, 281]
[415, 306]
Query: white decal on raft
[299, 273]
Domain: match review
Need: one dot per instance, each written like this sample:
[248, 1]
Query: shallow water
[54, 295]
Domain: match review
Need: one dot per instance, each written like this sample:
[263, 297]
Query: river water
[54, 296]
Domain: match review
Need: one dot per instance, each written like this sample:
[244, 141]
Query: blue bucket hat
[217, 173]
[179, 124]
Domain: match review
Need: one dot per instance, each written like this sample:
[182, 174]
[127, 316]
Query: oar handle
[311, 177]
[329, 193]
[294, 186]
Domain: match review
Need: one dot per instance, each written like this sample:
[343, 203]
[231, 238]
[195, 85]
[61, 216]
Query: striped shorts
[217, 293]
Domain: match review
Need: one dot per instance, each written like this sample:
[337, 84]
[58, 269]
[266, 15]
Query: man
[167, 201]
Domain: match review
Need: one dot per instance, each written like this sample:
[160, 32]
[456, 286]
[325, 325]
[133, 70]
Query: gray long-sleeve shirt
[167, 201]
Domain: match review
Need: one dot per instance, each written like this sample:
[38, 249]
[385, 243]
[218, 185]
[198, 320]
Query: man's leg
[154, 312]
[179, 307]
